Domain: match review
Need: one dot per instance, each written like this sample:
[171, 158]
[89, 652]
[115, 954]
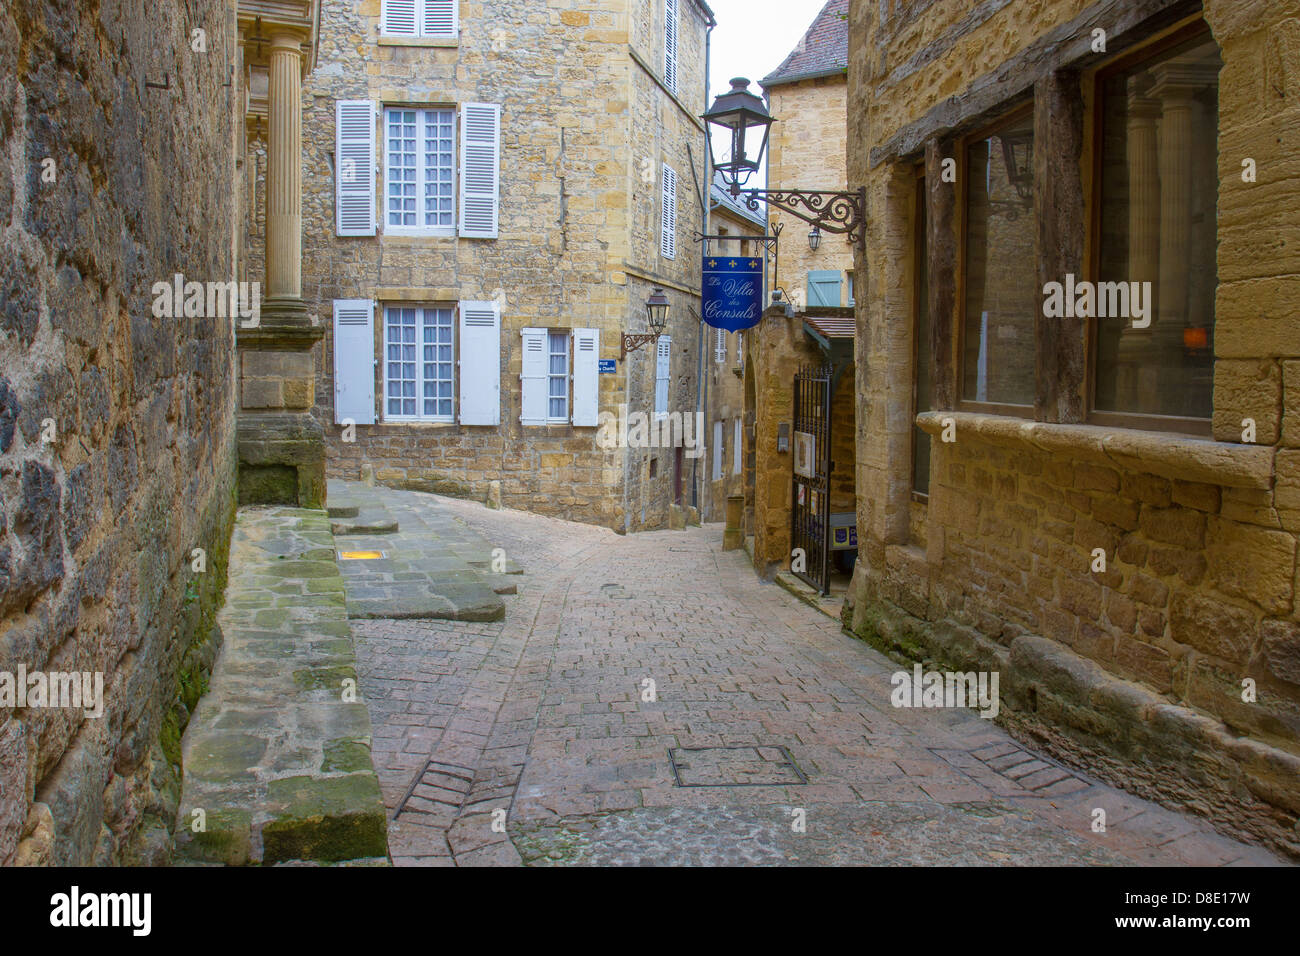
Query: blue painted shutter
[823, 289]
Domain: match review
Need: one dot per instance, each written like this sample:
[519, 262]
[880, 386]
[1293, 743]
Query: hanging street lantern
[815, 238]
[739, 125]
[656, 310]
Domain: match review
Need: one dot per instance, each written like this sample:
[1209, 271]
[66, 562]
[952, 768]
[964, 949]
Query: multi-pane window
[418, 363]
[1158, 233]
[558, 376]
[420, 163]
[1000, 278]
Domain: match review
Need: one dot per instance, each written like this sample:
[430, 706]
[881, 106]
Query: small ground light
[360, 555]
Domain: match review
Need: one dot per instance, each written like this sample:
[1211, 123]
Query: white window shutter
[736, 448]
[354, 361]
[663, 371]
[720, 346]
[668, 215]
[354, 161]
[440, 18]
[533, 380]
[480, 165]
[717, 450]
[397, 18]
[480, 363]
[670, 44]
[586, 377]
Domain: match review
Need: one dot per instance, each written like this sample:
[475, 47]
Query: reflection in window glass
[1001, 283]
[1159, 190]
[921, 309]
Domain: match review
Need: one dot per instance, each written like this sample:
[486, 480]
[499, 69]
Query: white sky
[753, 37]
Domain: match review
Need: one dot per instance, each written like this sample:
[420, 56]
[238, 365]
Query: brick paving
[528, 740]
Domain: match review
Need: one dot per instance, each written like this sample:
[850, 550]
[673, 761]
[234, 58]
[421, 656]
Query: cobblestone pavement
[770, 738]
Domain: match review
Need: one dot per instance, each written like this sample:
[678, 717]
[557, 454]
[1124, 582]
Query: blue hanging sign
[733, 292]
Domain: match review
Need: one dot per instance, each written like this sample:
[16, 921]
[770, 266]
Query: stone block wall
[1136, 671]
[116, 427]
[568, 254]
[807, 151]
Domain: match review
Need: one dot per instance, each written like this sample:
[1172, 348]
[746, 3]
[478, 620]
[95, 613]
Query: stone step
[431, 565]
[343, 510]
[371, 522]
[277, 764]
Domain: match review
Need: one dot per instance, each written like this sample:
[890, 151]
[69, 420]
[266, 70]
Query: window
[418, 363]
[1000, 275]
[717, 451]
[823, 289]
[419, 18]
[740, 350]
[720, 346]
[558, 377]
[736, 448]
[670, 44]
[921, 398]
[668, 215]
[420, 163]
[1157, 231]
[848, 277]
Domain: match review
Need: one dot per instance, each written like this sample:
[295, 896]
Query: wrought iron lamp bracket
[634, 340]
[836, 211]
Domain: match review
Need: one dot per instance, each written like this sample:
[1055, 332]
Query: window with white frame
[737, 442]
[429, 19]
[420, 164]
[740, 349]
[558, 377]
[418, 364]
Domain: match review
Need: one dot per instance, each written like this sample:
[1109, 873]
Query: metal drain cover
[734, 767]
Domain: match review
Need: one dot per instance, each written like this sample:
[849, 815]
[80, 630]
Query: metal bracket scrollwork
[842, 211]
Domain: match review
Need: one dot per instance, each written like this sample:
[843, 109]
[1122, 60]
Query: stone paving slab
[549, 715]
[434, 566]
[277, 758]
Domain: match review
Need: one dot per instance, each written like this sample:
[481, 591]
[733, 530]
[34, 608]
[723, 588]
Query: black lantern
[815, 238]
[656, 309]
[743, 119]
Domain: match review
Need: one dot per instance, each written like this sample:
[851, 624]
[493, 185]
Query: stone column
[281, 444]
[284, 179]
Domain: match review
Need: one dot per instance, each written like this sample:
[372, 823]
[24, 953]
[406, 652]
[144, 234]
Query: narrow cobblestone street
[763, 708]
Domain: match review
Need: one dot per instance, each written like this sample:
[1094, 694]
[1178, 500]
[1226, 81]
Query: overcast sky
[753, 37]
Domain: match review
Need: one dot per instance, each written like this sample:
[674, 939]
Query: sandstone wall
[97, 525]
[807, 151]
[579, 116]
[1135, 672]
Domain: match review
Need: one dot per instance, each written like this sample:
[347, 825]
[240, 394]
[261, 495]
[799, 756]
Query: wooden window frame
[1014, 114]
[1183, 32]
[920, 249]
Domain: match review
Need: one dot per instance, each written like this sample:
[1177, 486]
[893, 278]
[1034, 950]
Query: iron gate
[811, 452]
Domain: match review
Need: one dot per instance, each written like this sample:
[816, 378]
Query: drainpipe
[701, 392]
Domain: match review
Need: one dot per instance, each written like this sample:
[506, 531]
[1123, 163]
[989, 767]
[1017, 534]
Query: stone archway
[750, 418]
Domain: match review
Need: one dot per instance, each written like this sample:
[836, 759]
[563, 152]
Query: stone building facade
[807, 94]
[491, 192]
[117, 423]
[1100, 506]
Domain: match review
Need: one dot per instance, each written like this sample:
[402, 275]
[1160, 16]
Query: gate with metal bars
[811, 504]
